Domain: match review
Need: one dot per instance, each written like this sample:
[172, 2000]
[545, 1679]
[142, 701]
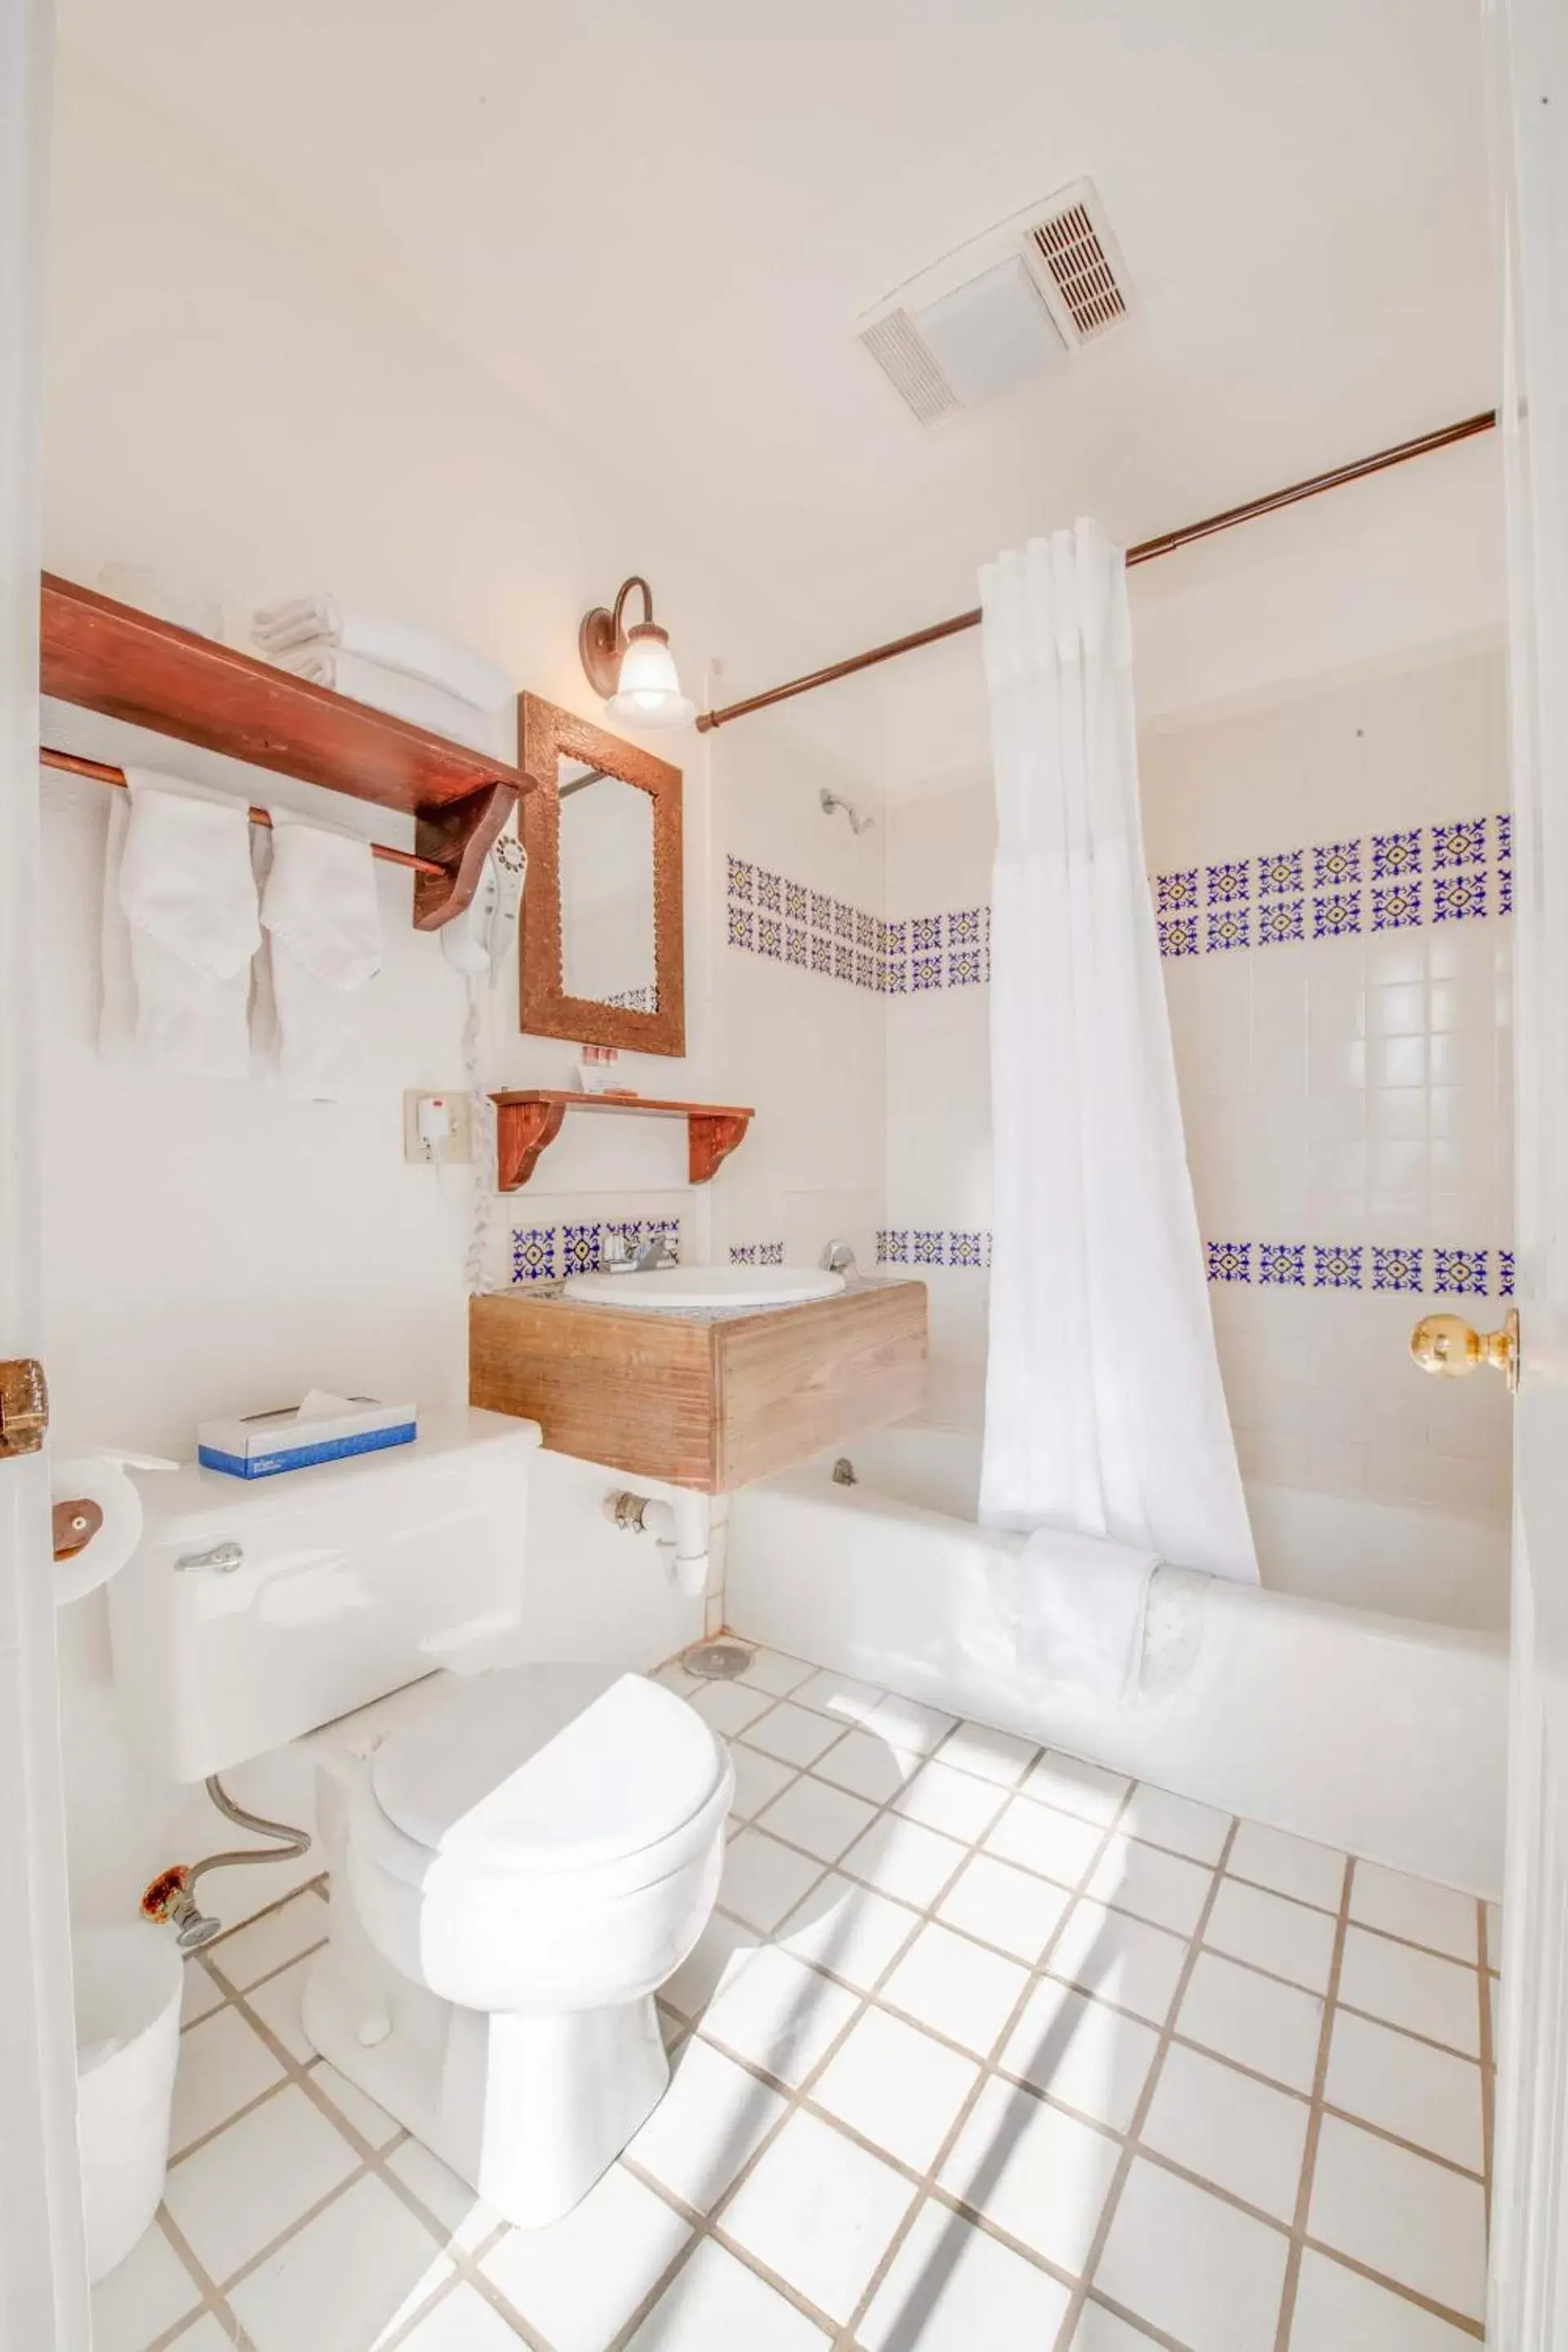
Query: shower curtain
[1104, 1411]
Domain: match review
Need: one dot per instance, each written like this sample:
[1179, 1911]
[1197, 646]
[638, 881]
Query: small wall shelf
[527, 1122]
[111, 657]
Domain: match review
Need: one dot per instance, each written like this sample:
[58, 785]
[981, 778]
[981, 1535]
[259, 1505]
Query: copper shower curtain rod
[1144, 552]
[102, 773]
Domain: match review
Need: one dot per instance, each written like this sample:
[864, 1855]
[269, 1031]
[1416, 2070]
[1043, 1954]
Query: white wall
[1350, 1091]
[225, 403]
[804, 1045]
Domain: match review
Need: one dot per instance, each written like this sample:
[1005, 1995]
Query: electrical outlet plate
[456, 1146]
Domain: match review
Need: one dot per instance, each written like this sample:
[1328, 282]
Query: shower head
[831, 801]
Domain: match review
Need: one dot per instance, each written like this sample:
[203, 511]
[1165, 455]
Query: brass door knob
[1448, 1345]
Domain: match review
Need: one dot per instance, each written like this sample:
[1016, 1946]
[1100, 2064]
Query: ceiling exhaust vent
[1081, 283]
[1004, 307]
[910, 365]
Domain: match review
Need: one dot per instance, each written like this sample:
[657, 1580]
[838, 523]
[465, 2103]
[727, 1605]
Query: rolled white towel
[395, 690]
[323, 623]
[1081, 1604]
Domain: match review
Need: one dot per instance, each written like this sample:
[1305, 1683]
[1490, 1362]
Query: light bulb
[648, 693]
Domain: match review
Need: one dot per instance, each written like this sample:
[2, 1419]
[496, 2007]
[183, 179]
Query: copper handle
[1450, 1348]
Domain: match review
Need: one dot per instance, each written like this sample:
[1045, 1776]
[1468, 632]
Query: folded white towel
[320, 913]
[322, 620]
[395, 690]
[1081, 1604]
[179, 928]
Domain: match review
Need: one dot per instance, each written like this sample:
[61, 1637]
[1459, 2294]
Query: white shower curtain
[1104, 1411]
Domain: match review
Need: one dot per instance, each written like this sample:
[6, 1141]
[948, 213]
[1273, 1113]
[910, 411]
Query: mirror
[606, 890]
[601, 952]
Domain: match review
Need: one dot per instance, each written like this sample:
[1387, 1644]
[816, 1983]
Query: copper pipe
[103, 774]
[1146, 551]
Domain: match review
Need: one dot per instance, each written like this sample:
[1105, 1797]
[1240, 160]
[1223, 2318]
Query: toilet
[520, 1853]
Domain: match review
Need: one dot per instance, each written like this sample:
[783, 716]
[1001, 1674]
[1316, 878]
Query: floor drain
[721, 1660]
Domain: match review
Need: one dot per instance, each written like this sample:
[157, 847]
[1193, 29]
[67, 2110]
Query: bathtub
[1380, 1729]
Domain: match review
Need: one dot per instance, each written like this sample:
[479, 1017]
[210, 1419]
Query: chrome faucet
[837, 1258]
[617, 1255]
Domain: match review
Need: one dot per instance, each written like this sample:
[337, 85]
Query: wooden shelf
[130, 665]
[527, 1122]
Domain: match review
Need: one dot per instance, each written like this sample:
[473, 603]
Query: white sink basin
[674, 1290]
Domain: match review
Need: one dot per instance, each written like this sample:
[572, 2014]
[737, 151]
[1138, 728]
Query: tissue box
[263, 1443]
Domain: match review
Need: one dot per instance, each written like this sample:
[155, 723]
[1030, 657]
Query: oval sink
[673, 1289]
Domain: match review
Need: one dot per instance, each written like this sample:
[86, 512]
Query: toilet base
[528, 2109]
[533, 2110]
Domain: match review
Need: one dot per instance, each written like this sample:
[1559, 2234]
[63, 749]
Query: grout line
[1411, 2032]
[1396, 2140]
[212, 2303]
[1457, 2320]
[1145, 2101]
[1489, 2062]
[1315, 2119]
[1133, 2320]
[987, 2075]
[232, 1986]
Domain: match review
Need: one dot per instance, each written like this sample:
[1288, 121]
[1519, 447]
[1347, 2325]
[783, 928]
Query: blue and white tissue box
[323, 1429]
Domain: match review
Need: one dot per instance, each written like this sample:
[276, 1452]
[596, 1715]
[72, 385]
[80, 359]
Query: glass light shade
[650, 692]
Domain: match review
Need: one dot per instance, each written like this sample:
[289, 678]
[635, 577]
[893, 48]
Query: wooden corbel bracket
[459, 837]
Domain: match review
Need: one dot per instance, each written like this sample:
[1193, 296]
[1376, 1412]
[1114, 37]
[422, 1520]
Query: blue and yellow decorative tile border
[1447, 1273]
[919, 1245]
[769, 915]
[551, 1252]
[1397, 881]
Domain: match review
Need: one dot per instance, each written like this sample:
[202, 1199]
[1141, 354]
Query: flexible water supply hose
[170, 1896]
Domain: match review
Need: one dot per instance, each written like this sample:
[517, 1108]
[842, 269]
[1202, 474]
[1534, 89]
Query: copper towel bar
[103, 774]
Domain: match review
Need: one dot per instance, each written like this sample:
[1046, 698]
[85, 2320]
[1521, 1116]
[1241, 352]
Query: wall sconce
[633, 669]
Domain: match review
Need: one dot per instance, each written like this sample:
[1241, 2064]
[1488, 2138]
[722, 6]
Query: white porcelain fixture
[677, 1289]
[1371, 1730]
[520, 1855]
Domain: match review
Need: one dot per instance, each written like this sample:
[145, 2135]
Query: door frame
[43, 2296]
[1528, 65]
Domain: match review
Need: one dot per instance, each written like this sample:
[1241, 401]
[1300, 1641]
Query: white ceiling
[660, 219]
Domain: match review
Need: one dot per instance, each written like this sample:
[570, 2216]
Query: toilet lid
[560, 1766]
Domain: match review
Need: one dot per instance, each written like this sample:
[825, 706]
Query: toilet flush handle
[223, 1558]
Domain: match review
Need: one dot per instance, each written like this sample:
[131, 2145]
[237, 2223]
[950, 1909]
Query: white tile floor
[983, 2048]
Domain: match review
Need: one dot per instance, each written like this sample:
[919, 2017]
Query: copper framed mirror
[603, 957]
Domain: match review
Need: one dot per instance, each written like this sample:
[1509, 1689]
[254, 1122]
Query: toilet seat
[548, 1839]
[552, 1772]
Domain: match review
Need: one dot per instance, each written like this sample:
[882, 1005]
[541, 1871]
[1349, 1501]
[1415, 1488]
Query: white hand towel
[179, 928]
[1081, 1604]
[394, 691]
[380, 637]
[320, 913]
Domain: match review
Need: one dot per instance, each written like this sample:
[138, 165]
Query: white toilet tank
[254, 1611]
